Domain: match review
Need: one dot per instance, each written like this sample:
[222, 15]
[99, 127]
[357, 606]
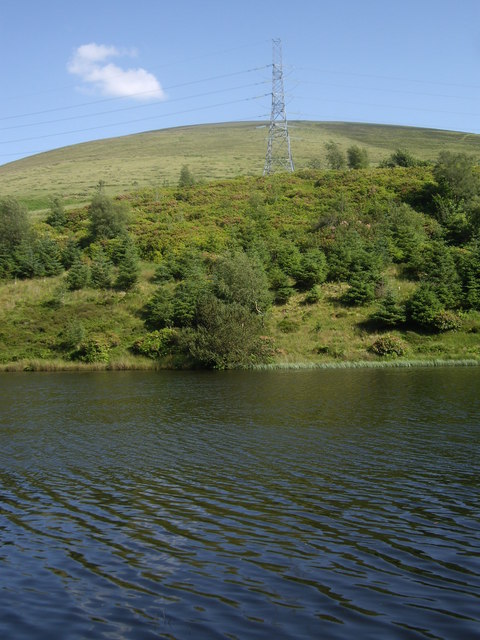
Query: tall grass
[367, 364]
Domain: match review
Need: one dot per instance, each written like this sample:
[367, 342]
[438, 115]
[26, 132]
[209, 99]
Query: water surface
[306, 504]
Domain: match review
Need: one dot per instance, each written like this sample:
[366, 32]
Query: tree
[14, 224]
[108, 219]
[227, 335]
[357, 157]
[456, 176]
[57, 217]
[241, 279]
[101, 271]
[128, 265]
[390, 312]
[400, 158]
[437, 267]
[78, 275]
[312, 269]
[158, 311]
[186, 178]
[335, 157]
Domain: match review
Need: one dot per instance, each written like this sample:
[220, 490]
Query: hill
[212, 152]
[315, 267]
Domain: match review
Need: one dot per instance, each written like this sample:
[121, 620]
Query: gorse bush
[388, 346]
[156, 344]
[92, 350]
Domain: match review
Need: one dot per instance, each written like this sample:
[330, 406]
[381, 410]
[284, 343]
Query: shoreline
[33, 366]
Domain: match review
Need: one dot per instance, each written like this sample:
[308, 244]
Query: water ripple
[301, 505]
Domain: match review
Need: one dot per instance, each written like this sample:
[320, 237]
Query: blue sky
[78, 71]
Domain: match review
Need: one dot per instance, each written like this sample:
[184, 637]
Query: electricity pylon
[279, 154]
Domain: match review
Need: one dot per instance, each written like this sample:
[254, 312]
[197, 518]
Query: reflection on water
[240, 505]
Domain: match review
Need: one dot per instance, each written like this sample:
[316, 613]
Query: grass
[36, 315]
[154, 159]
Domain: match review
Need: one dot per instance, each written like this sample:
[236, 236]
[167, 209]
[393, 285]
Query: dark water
[326, 504]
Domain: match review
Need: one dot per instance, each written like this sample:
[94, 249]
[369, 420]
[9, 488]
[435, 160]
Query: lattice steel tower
[279, 154]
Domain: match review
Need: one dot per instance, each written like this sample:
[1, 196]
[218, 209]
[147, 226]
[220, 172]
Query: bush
[241, 279]
[422, 307]
[92, 350]
[335, 157]
[400, 158]
[155, 344]
[388, 345]
[287, 325]
[446, 321]
[357, 157]
[313, 296]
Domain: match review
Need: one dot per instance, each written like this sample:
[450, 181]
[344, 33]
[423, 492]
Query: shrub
[73, 335]
[388, 345]
[287, 325]
[155, 344]
[400, 158]
[93, 350]
[313, 296]
[241, 279]
[186, 178]
[446, 321]
[335, 156]
[357, 157]
[422, 307]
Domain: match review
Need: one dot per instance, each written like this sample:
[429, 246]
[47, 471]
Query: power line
[154, 69]
[391, 106]
[141, 106]
[381, 77]
[115, 124]
[385, 90]
[103, 100]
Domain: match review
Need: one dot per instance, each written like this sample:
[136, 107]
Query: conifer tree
[101, 271]
[128, 265]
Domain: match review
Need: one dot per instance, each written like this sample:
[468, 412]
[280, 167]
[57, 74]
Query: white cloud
[91, 63]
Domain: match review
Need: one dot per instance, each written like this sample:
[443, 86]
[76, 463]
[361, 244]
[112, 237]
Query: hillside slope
[212, 152]
[286, 269]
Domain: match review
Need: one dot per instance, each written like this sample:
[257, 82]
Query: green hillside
[212, 152]
[319, 267]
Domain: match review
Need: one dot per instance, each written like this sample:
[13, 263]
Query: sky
[73, 72]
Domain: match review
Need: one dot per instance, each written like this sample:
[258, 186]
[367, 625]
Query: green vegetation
[317, 267]
[212, 152]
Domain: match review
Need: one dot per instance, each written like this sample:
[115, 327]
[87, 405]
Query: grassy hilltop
[212, 152]
[320, 267]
